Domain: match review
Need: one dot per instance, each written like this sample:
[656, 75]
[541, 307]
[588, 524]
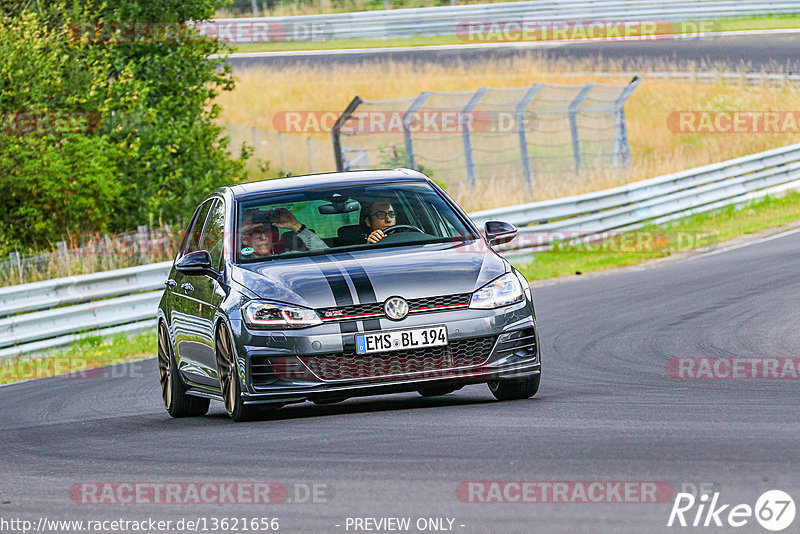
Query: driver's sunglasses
[384, 214]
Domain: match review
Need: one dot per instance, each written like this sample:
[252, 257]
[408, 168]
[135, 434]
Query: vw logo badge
[395, 308]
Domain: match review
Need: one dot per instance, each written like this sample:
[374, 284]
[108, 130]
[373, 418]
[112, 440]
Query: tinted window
[343, 218]
[213, 236]
[193, 242]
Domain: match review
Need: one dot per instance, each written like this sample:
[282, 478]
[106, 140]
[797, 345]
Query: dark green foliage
[119, 131]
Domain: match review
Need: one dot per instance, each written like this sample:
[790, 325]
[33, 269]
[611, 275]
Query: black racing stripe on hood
[335, 279]
[342, 296]
[364, 289]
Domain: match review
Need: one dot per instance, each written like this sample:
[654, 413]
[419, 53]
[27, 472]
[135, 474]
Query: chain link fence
[465, 137]
[93, 253]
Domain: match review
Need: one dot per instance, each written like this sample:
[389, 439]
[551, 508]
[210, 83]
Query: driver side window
[213, 236]
[193, 243]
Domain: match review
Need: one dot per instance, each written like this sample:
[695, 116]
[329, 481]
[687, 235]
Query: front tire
[173, 391]
[515, 389]
[229, 379]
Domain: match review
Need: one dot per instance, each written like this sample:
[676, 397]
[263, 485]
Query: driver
[381, 216]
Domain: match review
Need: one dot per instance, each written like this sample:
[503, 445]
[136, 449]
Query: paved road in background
[773, 52]
[607, 410]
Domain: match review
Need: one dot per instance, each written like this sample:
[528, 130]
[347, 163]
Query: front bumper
[318, 363]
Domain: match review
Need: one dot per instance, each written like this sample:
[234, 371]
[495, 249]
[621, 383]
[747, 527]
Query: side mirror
[198, 262]
[498, 232]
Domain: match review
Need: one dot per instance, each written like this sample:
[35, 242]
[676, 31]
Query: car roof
[325, 180]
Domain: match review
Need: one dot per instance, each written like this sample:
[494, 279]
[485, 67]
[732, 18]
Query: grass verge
[700, 231]
[82, 360]
[766, 22]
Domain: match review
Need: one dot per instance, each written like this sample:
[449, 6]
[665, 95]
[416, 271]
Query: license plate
[413, 338]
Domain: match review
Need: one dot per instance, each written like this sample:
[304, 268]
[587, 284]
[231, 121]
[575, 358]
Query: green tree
[147, 146]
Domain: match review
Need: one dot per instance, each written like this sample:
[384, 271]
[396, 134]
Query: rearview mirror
[499, 232]
[198, 262]
[339, 207]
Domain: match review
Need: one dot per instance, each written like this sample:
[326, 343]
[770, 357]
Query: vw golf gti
[324, 287]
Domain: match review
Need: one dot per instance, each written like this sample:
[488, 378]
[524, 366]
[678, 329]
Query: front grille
[420, 304]
[521, 343]
[350, 366]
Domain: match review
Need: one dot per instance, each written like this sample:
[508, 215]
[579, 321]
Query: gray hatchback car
[325, 287]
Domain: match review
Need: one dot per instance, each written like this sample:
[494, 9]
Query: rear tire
[229, 382]
[515, 389]
[173, 391]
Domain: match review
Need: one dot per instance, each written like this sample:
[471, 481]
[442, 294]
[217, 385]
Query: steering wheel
[401, 228]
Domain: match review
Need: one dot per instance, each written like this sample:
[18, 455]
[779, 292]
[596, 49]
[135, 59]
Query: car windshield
[345, 218]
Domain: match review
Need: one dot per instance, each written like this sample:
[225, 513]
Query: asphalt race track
[771, 52]
[607, 411]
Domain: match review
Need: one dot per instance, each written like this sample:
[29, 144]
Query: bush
[137, 141]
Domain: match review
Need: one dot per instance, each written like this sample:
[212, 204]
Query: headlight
[501, 292]
[262, 314]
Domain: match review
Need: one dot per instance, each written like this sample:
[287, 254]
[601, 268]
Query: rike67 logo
[774, 510]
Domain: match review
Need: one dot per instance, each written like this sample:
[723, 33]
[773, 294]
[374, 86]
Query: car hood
[368, 276]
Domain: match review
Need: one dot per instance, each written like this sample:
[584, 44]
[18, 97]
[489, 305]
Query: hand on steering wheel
[402, 228]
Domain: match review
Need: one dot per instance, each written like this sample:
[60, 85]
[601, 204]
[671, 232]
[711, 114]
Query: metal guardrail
[741, 78]
[82, 288]
[75, 309]
[652, 201]
[446, 20]
[60, 310]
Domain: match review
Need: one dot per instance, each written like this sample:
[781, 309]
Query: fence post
[463, 121]
[336, 132]
[282, 150]
[621, 146]
[109, 250]
[415, 105]
[523, 140]
[141, 238]
[254, 5]
[573, 124]
[15, 258]
[254, 134]
[310, 154]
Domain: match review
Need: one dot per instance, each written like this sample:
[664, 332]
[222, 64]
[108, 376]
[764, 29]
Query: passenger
[262, 235]
[258, 239]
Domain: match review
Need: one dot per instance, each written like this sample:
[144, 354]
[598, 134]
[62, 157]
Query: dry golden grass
[655, 149]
